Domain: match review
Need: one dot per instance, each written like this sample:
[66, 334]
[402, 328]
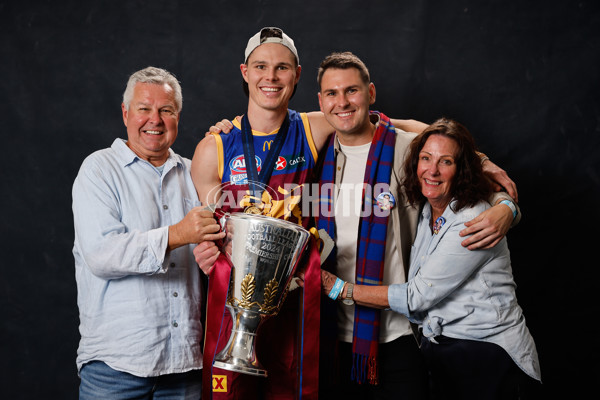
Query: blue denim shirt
[139, 306]
[464, 294]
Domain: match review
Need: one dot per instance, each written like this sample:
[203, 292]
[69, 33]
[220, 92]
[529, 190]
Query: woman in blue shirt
[474, 339]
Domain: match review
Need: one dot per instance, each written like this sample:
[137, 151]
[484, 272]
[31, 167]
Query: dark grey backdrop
[522, 75]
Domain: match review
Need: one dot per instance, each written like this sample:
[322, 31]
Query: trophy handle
[222, 218]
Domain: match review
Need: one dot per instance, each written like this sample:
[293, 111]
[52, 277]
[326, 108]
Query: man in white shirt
[137, 219]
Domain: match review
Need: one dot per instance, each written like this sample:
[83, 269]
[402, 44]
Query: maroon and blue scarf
[370, 244]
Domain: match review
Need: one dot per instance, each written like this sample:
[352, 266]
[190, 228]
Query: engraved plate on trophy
[264, 253]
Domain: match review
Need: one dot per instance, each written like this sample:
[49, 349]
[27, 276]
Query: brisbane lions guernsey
[293, 167]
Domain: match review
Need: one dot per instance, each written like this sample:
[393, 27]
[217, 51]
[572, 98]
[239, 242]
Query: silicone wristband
[511, 206]
[336, 289]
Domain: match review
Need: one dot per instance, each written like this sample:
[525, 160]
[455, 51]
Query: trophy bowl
[263, 252]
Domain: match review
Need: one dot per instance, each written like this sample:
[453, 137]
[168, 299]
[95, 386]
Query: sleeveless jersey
[293, 168]
[280, 335]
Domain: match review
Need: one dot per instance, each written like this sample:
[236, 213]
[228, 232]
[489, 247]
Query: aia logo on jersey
[280, 164]
[238, 164]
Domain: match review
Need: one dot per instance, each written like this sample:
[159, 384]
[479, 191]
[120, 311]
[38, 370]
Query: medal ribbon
[254, 178]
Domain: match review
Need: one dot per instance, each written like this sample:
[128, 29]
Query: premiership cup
[263, 252]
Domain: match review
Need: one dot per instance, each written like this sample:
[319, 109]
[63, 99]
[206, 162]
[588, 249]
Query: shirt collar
[448, 214]
[128, 157]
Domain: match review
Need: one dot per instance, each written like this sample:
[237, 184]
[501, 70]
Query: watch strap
[350, 291]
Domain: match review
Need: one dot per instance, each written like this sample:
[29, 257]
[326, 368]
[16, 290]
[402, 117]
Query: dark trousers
[467, 369]
[402, 374]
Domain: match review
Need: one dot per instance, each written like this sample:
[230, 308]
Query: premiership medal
[252, 210]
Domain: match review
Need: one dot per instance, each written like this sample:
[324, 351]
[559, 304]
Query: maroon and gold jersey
[293, 168]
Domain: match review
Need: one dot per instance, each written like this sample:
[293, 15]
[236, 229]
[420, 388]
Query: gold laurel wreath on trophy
[269, 296]
[248, 286]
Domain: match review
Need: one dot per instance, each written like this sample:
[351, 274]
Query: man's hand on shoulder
[488, 228]
[224, 126]
[500, 179]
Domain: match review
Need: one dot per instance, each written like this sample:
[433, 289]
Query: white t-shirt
[348, 203]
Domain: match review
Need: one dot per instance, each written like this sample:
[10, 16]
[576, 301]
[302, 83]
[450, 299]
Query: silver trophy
[264, 253]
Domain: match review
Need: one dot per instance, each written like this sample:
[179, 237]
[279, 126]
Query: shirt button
[165, 207]
[175, 324]
[172, 265]
[175, 294]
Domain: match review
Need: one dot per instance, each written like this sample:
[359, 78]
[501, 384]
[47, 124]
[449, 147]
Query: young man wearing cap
[377, 355]
[270, 72]
[289, 141]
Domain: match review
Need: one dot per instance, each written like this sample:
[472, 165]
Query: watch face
[348, 302]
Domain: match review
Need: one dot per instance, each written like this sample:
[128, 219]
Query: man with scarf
[372, 352]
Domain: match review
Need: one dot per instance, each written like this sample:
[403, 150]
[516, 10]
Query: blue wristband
[512, 207]
[336, 289]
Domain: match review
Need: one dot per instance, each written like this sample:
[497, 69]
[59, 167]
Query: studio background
[523, 76]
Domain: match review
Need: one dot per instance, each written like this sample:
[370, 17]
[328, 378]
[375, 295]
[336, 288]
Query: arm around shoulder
[320, 128]
[489, 227]
[498, 197]
[409, 125]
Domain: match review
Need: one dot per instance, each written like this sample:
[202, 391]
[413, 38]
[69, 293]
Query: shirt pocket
[188, 204]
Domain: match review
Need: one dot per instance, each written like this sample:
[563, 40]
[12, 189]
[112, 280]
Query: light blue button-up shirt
[464, 294]
[139, 305]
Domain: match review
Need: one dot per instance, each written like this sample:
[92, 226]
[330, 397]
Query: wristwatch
[348, 299]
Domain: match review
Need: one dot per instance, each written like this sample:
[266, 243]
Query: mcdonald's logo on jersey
[267, 145]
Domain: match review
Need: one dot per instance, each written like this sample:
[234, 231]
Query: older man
[136, 220]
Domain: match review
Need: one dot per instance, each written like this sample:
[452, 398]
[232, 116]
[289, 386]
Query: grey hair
[157, 76]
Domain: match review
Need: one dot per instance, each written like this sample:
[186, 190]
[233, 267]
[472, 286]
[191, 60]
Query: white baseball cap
[270, 34]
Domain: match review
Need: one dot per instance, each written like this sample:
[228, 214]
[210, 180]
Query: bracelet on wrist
[510, 205]
[482, 157]
[336, 289]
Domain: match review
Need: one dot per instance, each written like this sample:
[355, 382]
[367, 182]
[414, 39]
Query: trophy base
[242, 369]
